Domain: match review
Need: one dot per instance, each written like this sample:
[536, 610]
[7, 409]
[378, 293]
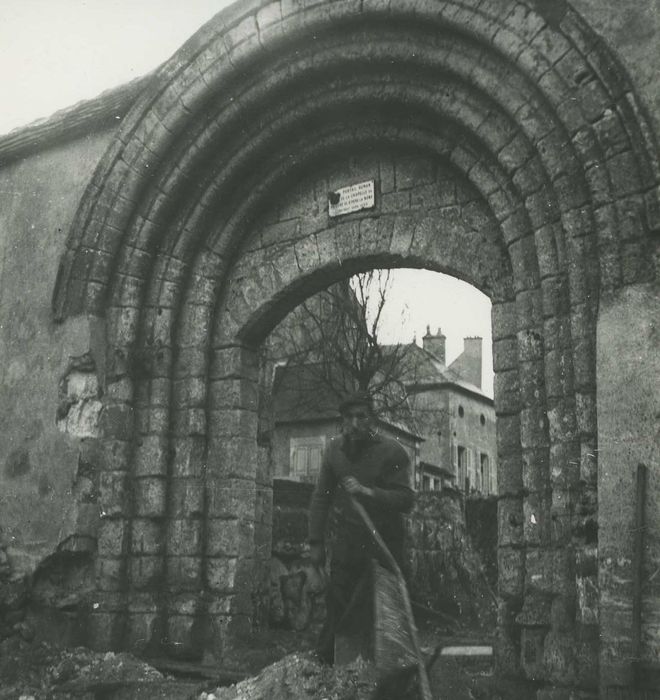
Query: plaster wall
[628, 410]
[39, 196]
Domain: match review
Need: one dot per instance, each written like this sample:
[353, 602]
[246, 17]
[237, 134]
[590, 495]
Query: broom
[394, 645]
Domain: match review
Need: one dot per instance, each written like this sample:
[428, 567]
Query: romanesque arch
[508, 148]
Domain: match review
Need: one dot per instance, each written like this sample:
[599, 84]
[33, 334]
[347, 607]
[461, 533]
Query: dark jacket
[381, 464]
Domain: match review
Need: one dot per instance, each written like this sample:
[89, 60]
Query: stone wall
[445, 571]
[297, 590]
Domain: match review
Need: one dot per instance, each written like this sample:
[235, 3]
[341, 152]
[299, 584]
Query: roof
[86, 116]
[299, 395]
[423, 370]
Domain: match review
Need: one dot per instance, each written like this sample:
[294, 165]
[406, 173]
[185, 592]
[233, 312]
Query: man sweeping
[361, 465]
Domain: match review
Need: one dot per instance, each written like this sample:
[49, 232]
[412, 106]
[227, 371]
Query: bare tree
[331, 345]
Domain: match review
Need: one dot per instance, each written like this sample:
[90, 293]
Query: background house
[306, 418]
[453, 415]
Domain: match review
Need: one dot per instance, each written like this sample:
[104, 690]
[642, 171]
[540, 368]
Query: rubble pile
[300, 677]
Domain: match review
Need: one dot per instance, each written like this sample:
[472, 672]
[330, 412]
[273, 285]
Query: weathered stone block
[532, 383]
[228, 423]
[508, 436]
[109, 574]
[151, 454]
[186, 497]
[505, 323]
[147, 537]
[505, 354]
[221, 573]
[146, 573]
[529, 315]
[535, 469]
[111, 537]
[586, 655]
[511, 572]
[558, 368]
[531, 653]
[229, 538]
[189, 422]
[184, 537]
[231, 498]
[588, 603]
[184, 573]
[549, 571]
[141, 631]
[589, 463]
[190, 392]
[535, 611]
[233, 394]
[183, 636]
[555, 289]
[507, 392]
[103, 630]
[562, 426]
[509, 475]
[150, 496]
[413, 171]
[536, 521]
[188, 457]
[112, 493]
[533, 428]
[564, 465]
[530, 344]
[507, 645]
[510, 521]
[233, 457]
[116, 421]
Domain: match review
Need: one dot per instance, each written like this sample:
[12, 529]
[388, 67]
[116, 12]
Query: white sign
[353, 198]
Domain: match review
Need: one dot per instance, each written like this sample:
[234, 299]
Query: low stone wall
[297, 599]
[445, 571]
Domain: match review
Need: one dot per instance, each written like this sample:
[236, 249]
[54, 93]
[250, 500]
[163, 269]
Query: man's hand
[317, 553]
[355, 488]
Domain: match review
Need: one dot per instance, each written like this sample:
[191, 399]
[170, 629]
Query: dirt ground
[274, 665]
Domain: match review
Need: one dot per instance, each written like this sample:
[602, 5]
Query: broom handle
[424, 686]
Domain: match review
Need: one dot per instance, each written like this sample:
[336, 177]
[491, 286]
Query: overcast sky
[54, 53]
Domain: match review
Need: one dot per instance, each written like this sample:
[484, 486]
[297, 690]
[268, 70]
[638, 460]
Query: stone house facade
[454, 416]
[155, 236]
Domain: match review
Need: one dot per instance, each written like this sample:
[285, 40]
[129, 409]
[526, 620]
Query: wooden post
[638, 568]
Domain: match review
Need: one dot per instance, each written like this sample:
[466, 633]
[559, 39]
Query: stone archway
[554, 195]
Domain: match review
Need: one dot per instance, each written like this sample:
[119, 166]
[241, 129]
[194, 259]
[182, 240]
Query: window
[305, 457]
[426, 482]
[485, 474]
[482, 419]
[461, 411]
[462, 468]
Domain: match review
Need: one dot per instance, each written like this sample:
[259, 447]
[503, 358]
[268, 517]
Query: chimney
[435, 344]
[472, 348]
